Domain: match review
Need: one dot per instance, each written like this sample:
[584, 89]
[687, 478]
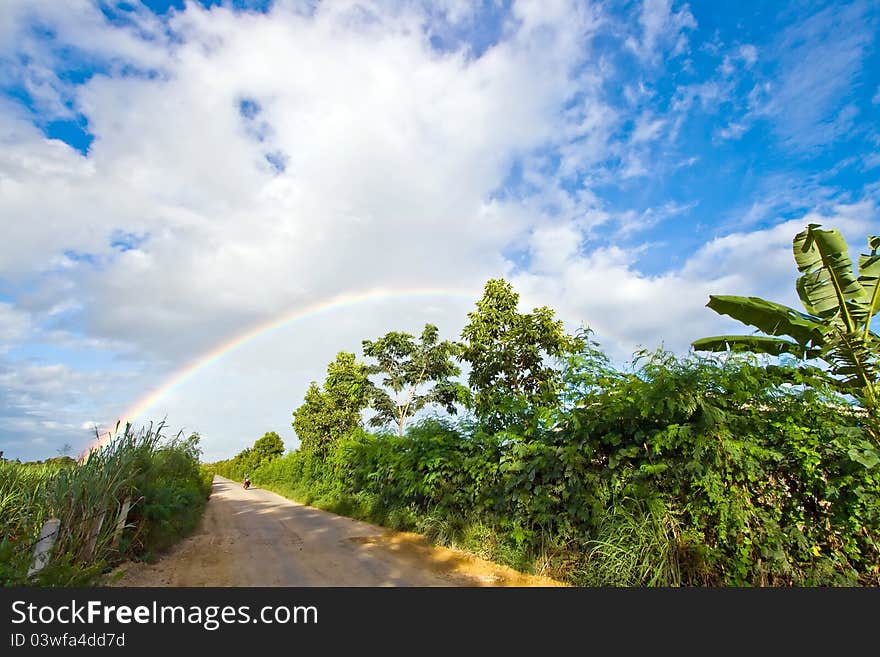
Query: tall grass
[87, 498]
[637, 544]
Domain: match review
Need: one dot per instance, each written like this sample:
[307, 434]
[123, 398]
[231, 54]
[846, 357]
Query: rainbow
[340, 301]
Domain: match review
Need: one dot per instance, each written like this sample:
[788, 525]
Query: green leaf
[771, 318]
[828, 280]
[869, 278]
[867, 457]
[753, 343]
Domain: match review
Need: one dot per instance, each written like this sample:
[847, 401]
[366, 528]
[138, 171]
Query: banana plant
[836, 327]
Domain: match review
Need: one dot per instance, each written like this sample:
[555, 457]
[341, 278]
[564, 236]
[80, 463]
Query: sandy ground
[258, 538]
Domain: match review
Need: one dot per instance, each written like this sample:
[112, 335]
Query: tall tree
[508, 352]
[417, 373]
[310, 420]
[333, 411]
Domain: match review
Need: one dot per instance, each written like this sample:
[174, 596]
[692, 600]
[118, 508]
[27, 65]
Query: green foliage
[328, 414]
[694, 471]
[264, 450]
[768, 479]
[697, 470]
[837, 329]
[417, 373]
[174, 491]
[268, 447]
[508, 351]
[636, 544]
[311, 420]
[160, 477]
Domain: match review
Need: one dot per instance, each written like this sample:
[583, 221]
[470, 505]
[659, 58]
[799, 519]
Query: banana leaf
[828, 280]
[755, 344]
[771, 318]
[869, 276]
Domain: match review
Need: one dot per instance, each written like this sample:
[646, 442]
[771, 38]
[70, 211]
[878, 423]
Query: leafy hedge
[695, 471]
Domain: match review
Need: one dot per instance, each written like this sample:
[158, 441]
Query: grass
[159, 478]
[637, 544]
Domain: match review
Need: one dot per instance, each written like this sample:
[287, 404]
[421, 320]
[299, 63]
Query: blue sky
[175, 173]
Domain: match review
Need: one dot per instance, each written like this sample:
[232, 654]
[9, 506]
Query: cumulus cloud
[605, 290]
[354, 177]
[39, 38]
[255, 170]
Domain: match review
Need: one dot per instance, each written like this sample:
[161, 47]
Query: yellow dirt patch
[465, 568]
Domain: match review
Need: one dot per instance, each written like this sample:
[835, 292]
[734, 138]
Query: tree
[310, 420]
[417, 373]
[836, 328]
[333, 411]
[268, 447]
[508, 352]
[244, 460]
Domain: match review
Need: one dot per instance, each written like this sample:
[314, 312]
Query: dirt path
[257, 538]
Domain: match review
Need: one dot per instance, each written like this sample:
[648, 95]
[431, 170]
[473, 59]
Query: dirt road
[257, 538]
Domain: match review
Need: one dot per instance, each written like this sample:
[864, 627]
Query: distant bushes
[694, 471]
[160, 478]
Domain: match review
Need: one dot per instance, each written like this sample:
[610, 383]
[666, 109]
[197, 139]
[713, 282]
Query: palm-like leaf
[771, 318]
[828, 284]
[756, 344]
[839, 304]
[855, 361]
[869, 278]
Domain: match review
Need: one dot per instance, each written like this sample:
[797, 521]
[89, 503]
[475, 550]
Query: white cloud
[552, 246]
[733, 130]
[376, 132]
[709, 94]
[15, 326]
[46, 404]
[605, 290]
[392, 151]
[647, 129]
[749, 54]
[818, 59]
[661, 27]
[37, 37]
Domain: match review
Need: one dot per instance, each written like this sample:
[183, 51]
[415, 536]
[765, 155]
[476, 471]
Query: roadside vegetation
[156, 481]
[718, 469]
[753, 460]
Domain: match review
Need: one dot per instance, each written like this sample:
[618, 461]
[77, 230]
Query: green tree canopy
[417, 373]
[268, 447]
[508, 352]
[330, 412]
